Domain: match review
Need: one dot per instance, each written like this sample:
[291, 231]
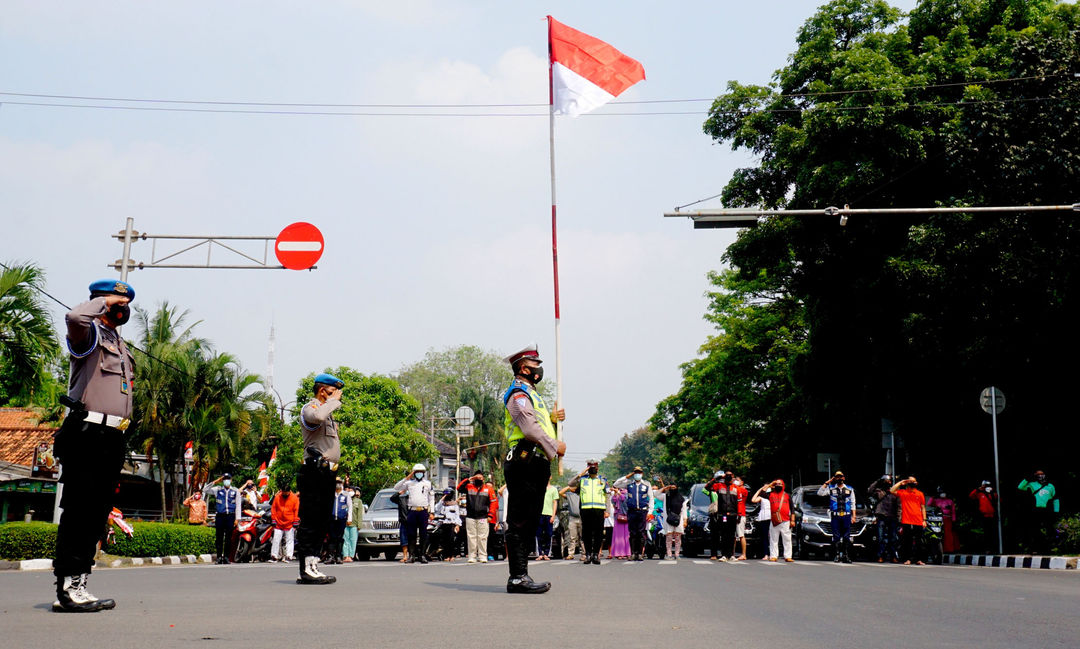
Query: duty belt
[112, 421]
[418, 509]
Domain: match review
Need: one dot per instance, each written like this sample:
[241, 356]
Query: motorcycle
[933, 536]
[254, 536]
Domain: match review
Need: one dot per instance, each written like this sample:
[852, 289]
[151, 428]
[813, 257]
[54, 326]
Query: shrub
[37, 540]
[1068, 535]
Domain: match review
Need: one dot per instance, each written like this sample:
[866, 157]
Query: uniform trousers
[336, 538]
[526, 482]
[91, 456]
[316, 485]
[223, 527]
[476, 531]
[416, 524]
[636, 522]
[592, 530]
[841, 532]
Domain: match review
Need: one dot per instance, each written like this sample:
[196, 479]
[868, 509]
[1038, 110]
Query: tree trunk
[161, 477]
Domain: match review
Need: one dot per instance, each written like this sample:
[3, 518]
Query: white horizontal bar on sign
[299, 246]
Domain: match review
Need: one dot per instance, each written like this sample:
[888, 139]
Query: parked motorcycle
[254, 536]
[932, 537]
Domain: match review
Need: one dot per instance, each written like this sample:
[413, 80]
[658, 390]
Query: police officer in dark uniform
[842, 515]
[322, 452]
[530, 433]
[227, 508]
[90, 444]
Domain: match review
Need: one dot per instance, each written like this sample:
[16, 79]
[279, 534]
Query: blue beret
[112, 287]
[329, 379]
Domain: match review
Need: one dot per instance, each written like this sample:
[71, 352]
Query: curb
[119, 562]
[995, 561]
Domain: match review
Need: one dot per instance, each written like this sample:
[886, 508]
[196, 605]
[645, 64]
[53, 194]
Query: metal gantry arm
[741, 218]
[129, 236]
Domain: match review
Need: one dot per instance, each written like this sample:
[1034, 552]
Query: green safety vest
[592, 493]
[514, 434]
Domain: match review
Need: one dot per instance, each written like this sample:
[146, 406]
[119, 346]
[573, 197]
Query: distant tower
[270, 360]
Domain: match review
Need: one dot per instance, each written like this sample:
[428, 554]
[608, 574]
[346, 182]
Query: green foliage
[34, 540]
[378, 428]
[1068, 535]
[37, 540]
[28, 344]
[163, 539]
[823, 330]
[642, 448]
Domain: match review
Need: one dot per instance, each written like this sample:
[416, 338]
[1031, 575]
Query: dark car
[696, 538]
[813, 529]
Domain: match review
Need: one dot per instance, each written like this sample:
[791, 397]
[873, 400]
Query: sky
[437, 227]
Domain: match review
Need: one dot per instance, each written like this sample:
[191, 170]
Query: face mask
[227, 483]
[941, 495]
[197, 495]
[478, 482]
[914, 485]
[738, 483]
[420, 475]
[1041, 479]
[987, 490]
[637, 477]
[534, 374]
[593, 470]
[120, 314]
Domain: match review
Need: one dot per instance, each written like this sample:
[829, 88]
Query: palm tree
[28, 342]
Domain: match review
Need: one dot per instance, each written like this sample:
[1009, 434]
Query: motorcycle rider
[842, 511]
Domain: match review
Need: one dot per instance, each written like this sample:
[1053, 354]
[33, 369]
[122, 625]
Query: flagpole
[554, 240]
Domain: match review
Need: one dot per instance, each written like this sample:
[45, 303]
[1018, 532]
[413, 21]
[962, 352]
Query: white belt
[112, 421]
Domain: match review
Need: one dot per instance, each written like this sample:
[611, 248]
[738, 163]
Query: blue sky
[437, 228]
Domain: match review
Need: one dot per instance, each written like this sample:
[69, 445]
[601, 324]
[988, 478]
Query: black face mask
[478, 482]
[120, 314]
[534, 374]
[593, 471]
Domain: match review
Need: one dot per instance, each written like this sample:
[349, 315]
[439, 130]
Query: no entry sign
[299, 246]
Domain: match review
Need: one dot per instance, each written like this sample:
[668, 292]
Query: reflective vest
[592, 493]
[637, 495]
[341, 506]
[840, 500]
[514, 434]
[225, 499]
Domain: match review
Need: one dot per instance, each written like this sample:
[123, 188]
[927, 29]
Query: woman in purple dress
[620, 537]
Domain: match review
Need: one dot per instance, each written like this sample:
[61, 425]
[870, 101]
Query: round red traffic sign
[299, 246]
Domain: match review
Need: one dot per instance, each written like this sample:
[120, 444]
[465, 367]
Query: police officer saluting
[322, 452]
[90, 443]
[530, 433]
[639, 503]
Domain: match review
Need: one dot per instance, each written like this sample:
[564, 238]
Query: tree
[377, 426]
[188, 392]
[28, 344]
[824, 330]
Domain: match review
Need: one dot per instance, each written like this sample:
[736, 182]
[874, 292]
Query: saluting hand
[112, 300]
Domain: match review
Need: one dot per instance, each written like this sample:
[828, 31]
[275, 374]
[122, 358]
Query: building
[27, 467]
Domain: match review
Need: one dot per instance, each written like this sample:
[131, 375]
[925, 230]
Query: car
[696, 535]
[813, 530]
[379, 531]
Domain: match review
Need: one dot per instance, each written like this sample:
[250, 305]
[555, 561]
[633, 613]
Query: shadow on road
[471, 588]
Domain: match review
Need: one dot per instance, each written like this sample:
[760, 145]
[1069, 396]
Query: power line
[218, 102]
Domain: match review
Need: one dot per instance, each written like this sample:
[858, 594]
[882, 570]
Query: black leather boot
[524, 584]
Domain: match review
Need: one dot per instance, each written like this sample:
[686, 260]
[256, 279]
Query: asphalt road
[746, 605]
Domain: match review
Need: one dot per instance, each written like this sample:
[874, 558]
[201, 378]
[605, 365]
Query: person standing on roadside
[417, 491]
[591, 487]
[284, 510]
[449, 517]
[724, 522]
[227, 506]
[949, 542]
[986, 506]
[478, 500]
[674, 521]
[352, 526]
[340, 514]
[1042, 508]
[887, 513]
[547, 521]
[318, 475]
[912, 520]
[764, 520]
[780, 520]
[90, 443]
[842, 515]
[639, 495]
[531, 434]
[740, 527]
[196, 505]
[572, 535]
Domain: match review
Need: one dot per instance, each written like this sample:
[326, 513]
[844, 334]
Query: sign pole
[125, 264]
[997, 474]
[554, 241]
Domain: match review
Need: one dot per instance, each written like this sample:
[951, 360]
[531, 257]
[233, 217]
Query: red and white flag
[586, 72]
[264, 480]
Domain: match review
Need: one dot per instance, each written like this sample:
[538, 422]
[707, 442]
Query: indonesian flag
[586, 72]
[264, 479]
[189, 451]
[273, 456]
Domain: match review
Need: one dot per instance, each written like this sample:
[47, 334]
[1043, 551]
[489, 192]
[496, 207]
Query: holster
[522, 452]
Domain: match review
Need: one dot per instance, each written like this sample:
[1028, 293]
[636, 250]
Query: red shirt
[743, 493]
[912, 502]
[285, 510]
[986, 502]
[780, 506]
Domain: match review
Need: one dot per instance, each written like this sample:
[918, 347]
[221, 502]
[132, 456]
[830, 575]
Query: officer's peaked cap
[112, 287]
[329, 379]
[528, 352]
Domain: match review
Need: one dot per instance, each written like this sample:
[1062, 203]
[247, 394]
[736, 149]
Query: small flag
[273, 457]
[264, 479]
[189, 451]
[586, 72]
